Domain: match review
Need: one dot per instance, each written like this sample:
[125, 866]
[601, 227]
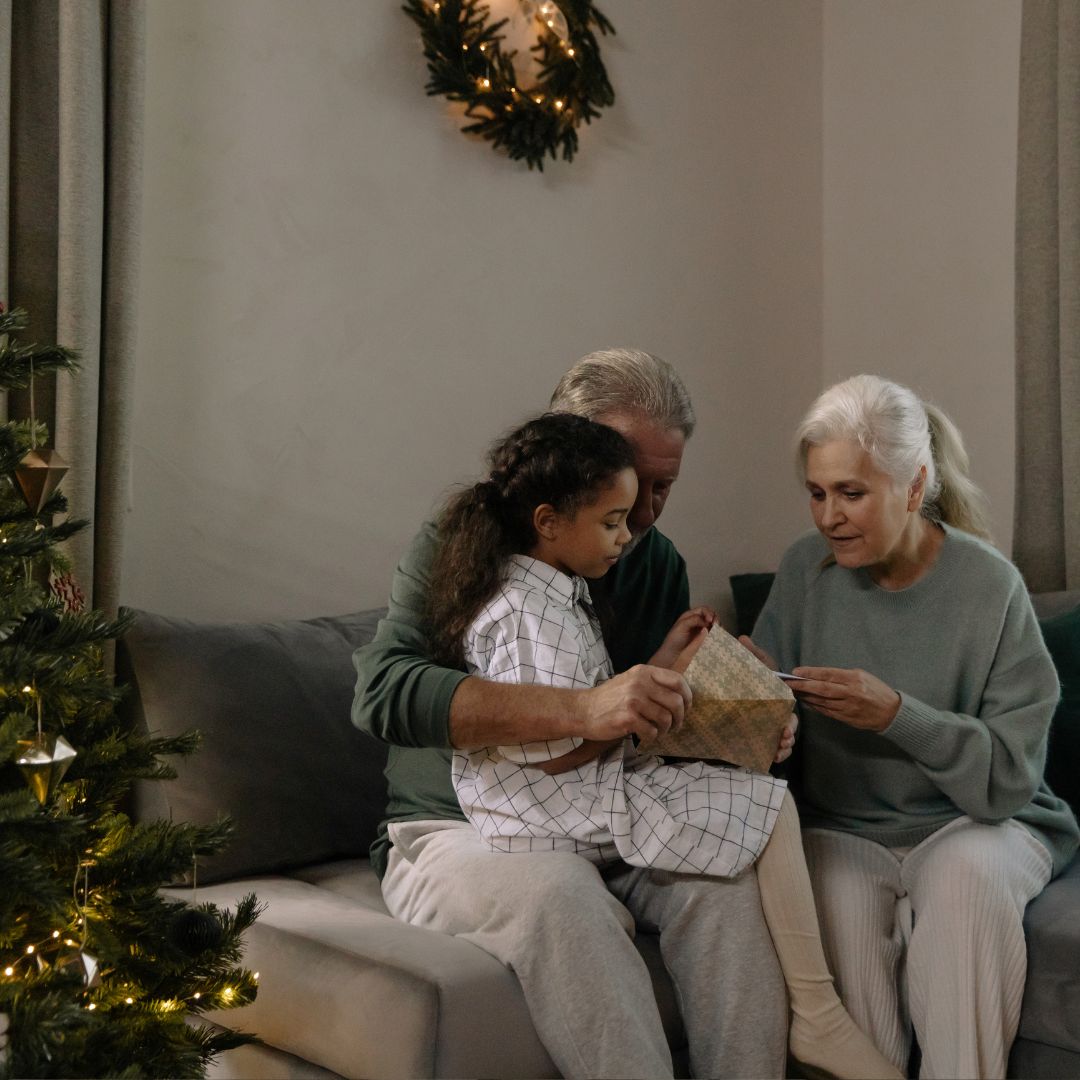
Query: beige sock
[823, 1035]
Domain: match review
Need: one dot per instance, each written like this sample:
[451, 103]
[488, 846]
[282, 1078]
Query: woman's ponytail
[958, 501]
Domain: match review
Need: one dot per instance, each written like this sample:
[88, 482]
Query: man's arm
[403, 698]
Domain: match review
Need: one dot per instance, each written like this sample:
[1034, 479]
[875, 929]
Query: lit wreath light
[466, 63]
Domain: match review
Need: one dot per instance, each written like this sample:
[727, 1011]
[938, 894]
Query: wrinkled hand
[645, 701]
[850, 695]
[761, 654]
[685, 628]
[787, 739]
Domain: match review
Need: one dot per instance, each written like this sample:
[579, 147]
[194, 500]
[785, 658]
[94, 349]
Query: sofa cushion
[749, 593]
[1051, 1012]
[1062, 636]
[280, 755]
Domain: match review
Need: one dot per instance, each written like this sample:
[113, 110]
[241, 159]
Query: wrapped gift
[739, 707]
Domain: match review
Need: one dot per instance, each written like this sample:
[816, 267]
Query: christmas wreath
[467, 64]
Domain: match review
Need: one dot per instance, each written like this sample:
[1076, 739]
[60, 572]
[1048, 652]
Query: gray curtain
[1047, 526]
[70, 154]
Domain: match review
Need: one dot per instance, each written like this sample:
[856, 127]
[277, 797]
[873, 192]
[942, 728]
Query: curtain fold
[71, 192]
[1046, 544]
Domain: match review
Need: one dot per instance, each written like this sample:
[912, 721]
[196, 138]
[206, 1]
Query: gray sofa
[345, 990]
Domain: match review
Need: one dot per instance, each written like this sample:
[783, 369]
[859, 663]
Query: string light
[91, 1007]
[9, 971]
[564, 78]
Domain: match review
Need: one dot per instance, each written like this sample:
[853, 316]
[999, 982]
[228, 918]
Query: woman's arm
[989, 765]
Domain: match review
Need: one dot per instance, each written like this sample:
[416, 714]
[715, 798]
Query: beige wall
[343, 299]
[920, 112]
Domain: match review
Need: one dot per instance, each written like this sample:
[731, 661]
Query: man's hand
[645, 701]
[787, 739]
[850, 695]
[686, 627]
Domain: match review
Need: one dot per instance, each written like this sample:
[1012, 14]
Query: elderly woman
[926, 699]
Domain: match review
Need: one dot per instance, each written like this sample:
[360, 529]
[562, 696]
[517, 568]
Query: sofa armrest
[361, 994]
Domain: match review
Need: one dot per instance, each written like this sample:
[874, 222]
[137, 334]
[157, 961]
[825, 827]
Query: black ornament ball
[195, 931]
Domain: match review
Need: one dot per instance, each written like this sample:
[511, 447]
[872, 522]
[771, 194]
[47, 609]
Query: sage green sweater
[402, 698]
[978, 690]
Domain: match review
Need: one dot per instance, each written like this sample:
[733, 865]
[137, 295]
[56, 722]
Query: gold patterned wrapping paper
[739, 707]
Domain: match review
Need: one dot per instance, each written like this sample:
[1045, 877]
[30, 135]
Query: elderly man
[564, 925]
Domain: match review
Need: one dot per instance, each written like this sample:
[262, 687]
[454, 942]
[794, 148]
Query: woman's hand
[850, 695]
[685, 629]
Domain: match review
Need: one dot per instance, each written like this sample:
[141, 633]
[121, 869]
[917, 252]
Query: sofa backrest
[280, 755]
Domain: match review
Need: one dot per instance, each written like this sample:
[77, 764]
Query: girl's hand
[787, 739]
[761, 654]
[686, 628]
[850, 695]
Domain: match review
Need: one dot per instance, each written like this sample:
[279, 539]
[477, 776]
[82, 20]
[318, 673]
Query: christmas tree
[99, 972]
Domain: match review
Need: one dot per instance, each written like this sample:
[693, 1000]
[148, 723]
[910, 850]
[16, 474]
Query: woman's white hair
[626, 381]
[902, 434]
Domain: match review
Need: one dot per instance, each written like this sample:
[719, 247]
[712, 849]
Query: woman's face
[866, 517]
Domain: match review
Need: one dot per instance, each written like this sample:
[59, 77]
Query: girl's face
[589, 543]
[862, 512]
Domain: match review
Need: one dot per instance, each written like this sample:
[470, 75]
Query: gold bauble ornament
[38, 475]
[83, 965]
[43, 760]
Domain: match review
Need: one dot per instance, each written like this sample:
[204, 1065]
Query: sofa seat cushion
[1051, 1012]
[355, 879]
[356, 992]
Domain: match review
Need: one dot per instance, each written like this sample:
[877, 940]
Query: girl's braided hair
[558, 458]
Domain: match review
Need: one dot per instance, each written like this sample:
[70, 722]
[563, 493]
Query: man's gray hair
[626, 381]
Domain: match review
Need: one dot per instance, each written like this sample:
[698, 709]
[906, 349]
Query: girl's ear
[546, 521]
[917, 490]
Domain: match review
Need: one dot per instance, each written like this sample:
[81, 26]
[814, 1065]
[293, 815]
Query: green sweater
[403, 698]
[978, 690]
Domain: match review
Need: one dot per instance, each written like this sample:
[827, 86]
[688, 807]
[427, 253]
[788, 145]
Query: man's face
[657, 458]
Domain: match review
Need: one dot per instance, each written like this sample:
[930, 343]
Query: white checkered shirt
[687, 817]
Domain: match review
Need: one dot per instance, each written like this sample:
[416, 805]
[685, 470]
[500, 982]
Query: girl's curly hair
[557, 458]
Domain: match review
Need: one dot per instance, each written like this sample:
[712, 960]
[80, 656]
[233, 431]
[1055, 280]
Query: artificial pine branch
[74, 868]
[467, 64]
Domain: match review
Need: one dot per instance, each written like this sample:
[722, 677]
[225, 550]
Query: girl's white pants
[931, 938]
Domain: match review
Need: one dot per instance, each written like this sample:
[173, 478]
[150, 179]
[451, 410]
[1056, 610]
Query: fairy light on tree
[93, 960]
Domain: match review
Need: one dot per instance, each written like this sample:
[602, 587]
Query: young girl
[509, 601]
